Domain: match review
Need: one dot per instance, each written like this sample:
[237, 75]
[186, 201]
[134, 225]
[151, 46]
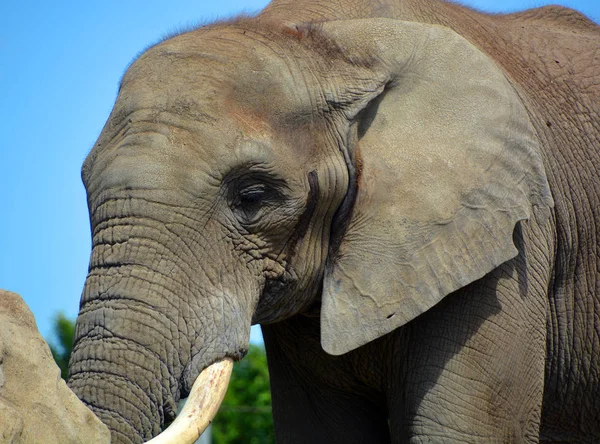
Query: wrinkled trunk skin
[147, 324]
[118, 367]
[130, 405]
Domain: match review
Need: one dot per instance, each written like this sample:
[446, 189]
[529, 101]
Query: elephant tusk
[201, 407]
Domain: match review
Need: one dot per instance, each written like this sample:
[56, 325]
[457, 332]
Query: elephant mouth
[202, 405]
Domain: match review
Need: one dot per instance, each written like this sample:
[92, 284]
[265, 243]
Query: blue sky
[59, 69]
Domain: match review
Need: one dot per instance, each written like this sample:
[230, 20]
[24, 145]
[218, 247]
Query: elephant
[404, 195]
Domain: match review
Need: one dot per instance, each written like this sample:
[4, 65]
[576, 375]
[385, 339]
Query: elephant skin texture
[36, 406]
[403, 193]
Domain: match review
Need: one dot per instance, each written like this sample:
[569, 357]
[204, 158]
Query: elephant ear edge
[449, 163]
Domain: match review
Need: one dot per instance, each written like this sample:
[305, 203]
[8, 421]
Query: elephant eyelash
[252, 183]
[253, 190]
[250, 201]
[251, 196]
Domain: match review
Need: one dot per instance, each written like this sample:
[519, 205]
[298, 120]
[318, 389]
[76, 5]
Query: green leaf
[61, 345]
[245, 415]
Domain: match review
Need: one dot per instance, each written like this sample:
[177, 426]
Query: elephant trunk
[133, 404]
[125, 365]
[148, 325]
[131, 375]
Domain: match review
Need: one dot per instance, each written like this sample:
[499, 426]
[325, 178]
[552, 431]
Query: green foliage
[62, 345]
[245, 414]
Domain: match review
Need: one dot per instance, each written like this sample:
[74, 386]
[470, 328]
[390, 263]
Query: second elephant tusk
[201, 407]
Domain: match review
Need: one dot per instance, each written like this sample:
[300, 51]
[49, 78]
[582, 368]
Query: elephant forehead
[194, 107]
[142, 159]
[217, 70]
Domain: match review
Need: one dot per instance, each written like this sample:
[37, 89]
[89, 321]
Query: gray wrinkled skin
[410, 211]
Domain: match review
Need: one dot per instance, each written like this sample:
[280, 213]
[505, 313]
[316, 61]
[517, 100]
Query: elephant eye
[250, 200]
[252, 195]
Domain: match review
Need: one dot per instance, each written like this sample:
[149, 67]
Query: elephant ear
[447, 163]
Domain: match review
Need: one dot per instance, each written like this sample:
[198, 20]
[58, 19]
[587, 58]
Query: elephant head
[250, 172]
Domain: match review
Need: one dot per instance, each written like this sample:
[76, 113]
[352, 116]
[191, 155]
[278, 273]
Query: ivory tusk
[201, 407]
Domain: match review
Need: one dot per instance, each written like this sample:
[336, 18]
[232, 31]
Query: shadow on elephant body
[470, 356]
[392, 374]
[479, 356]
